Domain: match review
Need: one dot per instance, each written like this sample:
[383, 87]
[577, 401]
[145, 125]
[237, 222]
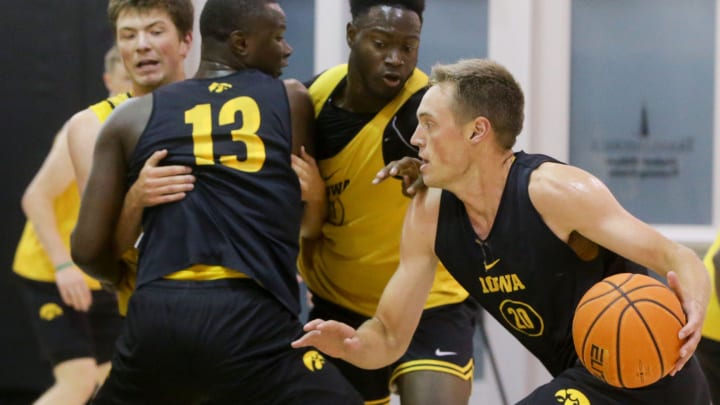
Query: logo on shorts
[442, 353]
[571, 396]
[313, 360]
[50, 311]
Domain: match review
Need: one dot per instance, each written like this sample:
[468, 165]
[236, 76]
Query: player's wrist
[64, 265]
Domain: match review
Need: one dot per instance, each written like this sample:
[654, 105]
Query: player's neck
[355, 97]
[210, 69]
[482, 187]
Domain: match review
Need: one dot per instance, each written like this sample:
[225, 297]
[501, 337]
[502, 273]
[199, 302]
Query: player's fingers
[170, 172]
[152, 187]
[75, 299]
[336, 328]
[165, 198]
[306, 156]
[312, 325]
[384, 173]
[65, 295]
[175, 188]
[298, 163]
[83, 298]
[686, 352]
[155, 158]
[312, 338]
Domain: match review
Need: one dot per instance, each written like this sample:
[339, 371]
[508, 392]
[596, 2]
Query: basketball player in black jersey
[526, 236]
[216, 302]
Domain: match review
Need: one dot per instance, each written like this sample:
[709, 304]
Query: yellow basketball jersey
[711, 327]
[360, 247]
[31, 261]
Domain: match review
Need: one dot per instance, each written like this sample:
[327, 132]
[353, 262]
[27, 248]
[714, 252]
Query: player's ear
[350, 33]
[480, 128]
[186, 43]
[238, 42]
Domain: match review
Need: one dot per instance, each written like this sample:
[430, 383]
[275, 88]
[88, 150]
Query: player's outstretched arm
[570, 199]
[38, 204]
[409, 169]
[385, 337]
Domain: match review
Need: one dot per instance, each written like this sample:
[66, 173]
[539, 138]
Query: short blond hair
[485, 88]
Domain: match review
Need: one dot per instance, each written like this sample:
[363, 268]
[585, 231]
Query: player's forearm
[314, 217]
[92, 250]
[129, 225]
[40, 211]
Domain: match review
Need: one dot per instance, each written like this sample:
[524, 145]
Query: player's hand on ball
[330, 337]
[691, 332]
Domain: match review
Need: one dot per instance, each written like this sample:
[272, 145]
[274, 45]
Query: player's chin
[277, 73]
[150, 80]
[279, 69]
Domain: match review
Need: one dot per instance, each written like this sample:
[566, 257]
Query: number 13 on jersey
[201, 119]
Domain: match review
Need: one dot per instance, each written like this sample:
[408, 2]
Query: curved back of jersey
[522, 273]
[244, 211]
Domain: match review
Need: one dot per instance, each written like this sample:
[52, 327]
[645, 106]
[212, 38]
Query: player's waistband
[164, 283]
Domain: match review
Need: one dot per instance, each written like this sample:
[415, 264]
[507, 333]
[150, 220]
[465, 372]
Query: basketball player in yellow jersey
[365, 116]
[76, 323]
[708, 351]
[153, 38]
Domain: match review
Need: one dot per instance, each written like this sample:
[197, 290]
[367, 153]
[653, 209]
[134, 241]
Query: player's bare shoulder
[553, 182]
[83, 126]
[128, 121]
[296, 91]
[424, 209]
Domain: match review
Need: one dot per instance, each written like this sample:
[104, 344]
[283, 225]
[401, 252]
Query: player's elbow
[28, 201]
[85, 255]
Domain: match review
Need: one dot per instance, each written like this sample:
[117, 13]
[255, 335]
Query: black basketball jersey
[245, 209]
[522, 274]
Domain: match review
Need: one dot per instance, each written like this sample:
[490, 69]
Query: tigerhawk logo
[216, 87]
[313, 360]
[571, 396]
[50, 311]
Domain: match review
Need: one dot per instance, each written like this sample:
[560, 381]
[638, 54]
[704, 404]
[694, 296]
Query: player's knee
[430, 388]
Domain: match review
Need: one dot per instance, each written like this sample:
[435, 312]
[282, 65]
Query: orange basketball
[626, 328]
